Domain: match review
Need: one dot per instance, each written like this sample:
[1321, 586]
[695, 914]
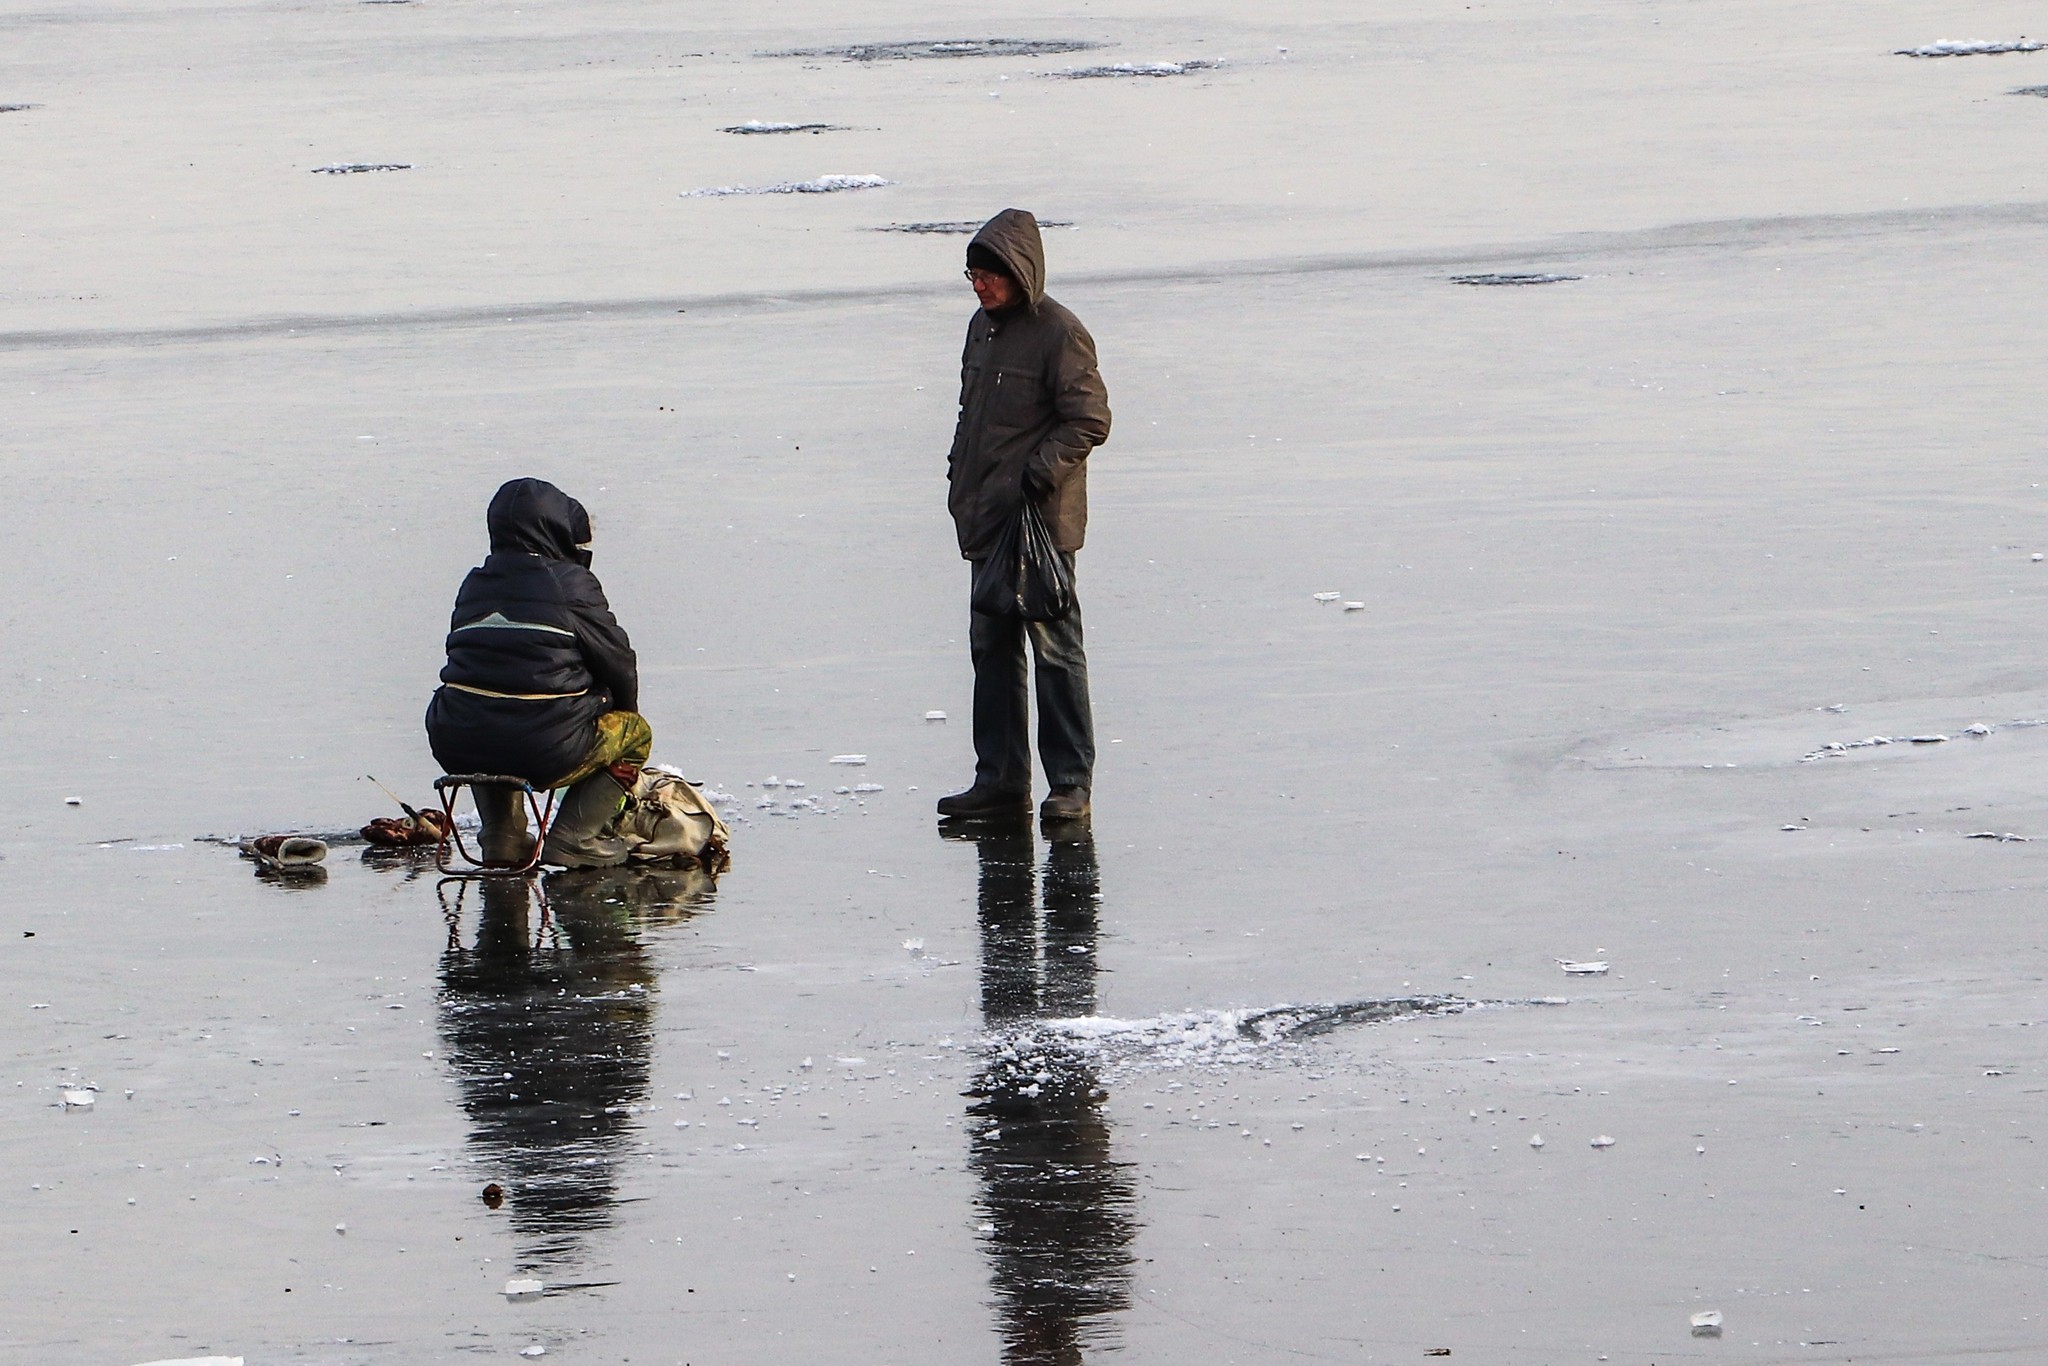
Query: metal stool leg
[453, 856]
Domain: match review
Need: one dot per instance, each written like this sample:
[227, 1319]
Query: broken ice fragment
[1328, 597]
[78, 1100]
[517, 1291]
[1707, 1324]
[915, 947]
[867, 787]
[1354, 607]
[74, 801]
[536, 1350]
[935, 716]
[1572, 969]
[1603, 1141]
[854, 759]
[1536, 1140]
[196, 1361]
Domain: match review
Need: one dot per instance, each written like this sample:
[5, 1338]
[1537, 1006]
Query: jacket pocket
[1017, 399]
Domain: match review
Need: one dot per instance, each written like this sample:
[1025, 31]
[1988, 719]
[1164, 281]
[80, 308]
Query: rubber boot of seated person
[577, 839]
[503, 841]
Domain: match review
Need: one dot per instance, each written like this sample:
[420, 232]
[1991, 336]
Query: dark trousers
[1002, 703]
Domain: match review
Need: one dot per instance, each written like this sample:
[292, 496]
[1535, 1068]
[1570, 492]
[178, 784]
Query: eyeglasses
[982, 276]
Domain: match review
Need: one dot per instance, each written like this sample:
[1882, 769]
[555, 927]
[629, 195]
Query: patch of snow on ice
[824, 184]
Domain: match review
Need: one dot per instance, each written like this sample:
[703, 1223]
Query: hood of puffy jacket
[1013, 236]
[533, 517]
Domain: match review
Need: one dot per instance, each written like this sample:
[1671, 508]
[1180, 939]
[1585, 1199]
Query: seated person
[541, 684]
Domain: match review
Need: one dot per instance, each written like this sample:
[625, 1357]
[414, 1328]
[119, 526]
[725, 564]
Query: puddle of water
[1091, 73]
[958, 47]
[756, 126]
[1496, 279]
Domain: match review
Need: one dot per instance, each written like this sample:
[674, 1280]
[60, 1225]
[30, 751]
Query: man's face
[996, 290]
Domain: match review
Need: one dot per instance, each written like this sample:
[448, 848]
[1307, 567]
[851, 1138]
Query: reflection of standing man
[1032, 406]
[1057, 1207]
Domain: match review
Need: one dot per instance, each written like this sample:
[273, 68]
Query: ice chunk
[196, 1361]
[867, 787]
[1536, 1140]
[78, 1100]
[518, 1291]
[854, 760]
[1354, 607]
[1707, 1324]
[1603, 1141]
[74, 801]
[1594, 969]
[536, 1350]
[935, 716]
[1328, 597]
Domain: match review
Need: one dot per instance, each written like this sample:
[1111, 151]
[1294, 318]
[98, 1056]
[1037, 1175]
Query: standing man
[1031, 408]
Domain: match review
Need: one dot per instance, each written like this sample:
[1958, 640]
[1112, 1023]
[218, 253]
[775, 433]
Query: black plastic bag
[1025, 575]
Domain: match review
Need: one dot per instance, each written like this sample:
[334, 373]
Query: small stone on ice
[1603, 1142]
[519, 1290]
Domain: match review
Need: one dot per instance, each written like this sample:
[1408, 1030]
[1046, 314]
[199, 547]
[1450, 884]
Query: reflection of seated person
[541, 683]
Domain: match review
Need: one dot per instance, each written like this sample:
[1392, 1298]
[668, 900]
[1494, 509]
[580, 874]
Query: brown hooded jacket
[1030, 398]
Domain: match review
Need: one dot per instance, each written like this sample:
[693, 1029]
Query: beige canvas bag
[666, 820]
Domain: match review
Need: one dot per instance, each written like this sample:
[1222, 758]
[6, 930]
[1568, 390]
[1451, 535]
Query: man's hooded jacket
[1030, 398]
[535, 655]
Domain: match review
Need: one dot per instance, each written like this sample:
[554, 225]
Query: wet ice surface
[361, 167]
[945, 48]
[1621, 545]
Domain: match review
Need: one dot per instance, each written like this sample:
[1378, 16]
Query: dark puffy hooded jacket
[1030, 397]
[535, 655]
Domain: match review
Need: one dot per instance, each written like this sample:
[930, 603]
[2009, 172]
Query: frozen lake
[1254, 1071]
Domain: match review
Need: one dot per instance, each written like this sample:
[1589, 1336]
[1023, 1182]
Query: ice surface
[360, 167]
[824, 184]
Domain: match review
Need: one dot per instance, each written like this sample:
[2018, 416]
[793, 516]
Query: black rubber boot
[576, 839]
[503, 839]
